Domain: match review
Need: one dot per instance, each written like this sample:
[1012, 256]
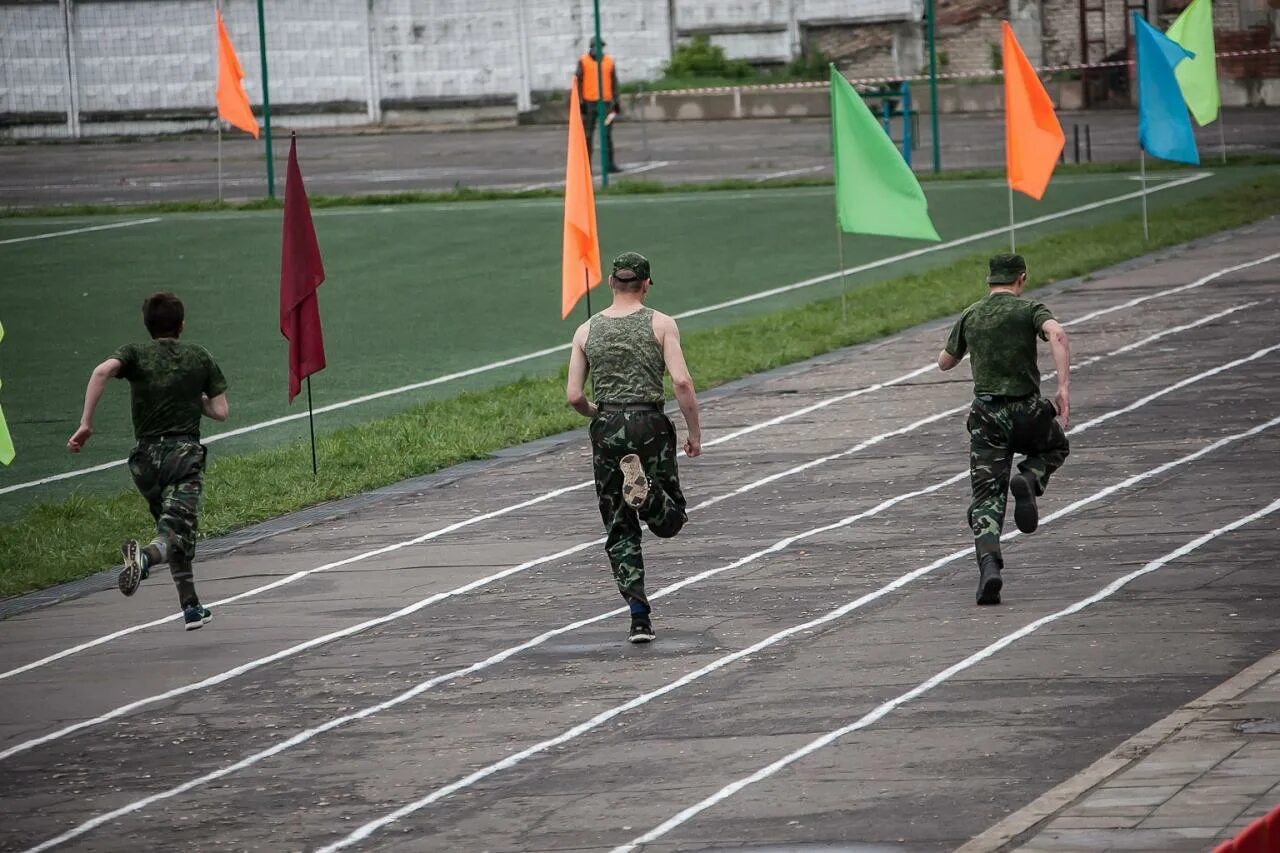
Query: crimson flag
[301, 272]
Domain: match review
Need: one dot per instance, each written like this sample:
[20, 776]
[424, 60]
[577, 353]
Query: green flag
[876, 193]
[6, 443]
[1197, 77]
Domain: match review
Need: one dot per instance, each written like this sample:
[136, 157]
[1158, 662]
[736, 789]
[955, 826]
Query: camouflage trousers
[651, 436]
[998, 430]
[169, 473]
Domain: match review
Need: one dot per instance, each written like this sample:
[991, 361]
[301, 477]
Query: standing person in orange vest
[589, 81]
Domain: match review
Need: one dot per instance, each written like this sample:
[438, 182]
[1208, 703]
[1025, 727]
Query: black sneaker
[196, 616]
[1025, 513]
[135, 567]
[641, 632]
[989, 581]
[635, 485]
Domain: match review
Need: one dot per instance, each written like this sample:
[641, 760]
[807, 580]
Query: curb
[1133, 750]
[333, 510]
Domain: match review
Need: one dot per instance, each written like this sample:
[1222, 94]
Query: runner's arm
[109, 369]
[215, 407]
[1061, 346]
[682, 382]
[946, 360]
[575, 389]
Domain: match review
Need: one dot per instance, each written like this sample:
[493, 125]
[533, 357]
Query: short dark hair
[631, 284]
[162, 314]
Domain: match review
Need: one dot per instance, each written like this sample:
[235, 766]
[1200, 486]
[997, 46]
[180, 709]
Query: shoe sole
[642, 638]
[1025, 513]
[635, 485]
[131, 574]
[990, 592]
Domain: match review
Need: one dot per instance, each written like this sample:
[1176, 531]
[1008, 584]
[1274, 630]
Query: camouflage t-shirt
[999, 332]
[625, 359]
[166, 378]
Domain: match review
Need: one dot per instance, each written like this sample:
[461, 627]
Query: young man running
[172, 384]
[627, 348]
[1008, 415]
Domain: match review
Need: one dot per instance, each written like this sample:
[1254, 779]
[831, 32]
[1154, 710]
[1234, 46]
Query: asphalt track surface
[185, 168]
[396, 667]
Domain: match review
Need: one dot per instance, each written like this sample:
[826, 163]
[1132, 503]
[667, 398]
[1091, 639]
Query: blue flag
[1164, 125]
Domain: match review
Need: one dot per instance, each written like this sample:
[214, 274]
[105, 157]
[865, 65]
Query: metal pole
[600, 109]
[586, 278]
[217, 119]
[907, 141]
[1013, 238]
[266, 101]
[844, 290]
[933, 89]
[311, 419]
[1142, 160]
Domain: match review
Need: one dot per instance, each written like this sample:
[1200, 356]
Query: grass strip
[622, 187]
[67, 539]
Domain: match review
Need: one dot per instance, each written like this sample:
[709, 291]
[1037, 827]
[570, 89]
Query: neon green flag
[6, 442]
[876, 193]
[1197, 77]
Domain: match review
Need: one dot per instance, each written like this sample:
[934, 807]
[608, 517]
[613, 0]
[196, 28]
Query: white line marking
[839, 398]
[53, 234]
[742, 300]
[635, 170]
[886, 708]
[786, 173]
[603, 717]
[419, 689]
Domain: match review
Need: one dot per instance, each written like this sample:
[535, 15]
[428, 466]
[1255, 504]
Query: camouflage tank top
[625, 359]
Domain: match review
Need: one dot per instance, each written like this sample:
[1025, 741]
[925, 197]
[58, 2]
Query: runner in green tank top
[627, 349]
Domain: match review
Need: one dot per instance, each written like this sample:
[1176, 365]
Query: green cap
[631, 266]
[1005, 269]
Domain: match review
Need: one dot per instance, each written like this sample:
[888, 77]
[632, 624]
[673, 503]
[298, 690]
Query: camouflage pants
[651, 436]
[998, 430]
[170, 475]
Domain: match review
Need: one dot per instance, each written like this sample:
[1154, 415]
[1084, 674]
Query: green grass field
[417, 291]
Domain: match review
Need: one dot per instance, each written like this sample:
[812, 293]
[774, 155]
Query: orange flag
[580, 270]
[233, 103]
[1032, 136]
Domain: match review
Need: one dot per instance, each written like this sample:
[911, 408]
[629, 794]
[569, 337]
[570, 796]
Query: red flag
[301, 272]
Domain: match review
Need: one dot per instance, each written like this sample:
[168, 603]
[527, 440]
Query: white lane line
[603, 717]
[974, 659]
[53, 234]
[839, 398]
[634, 170]
[786, 173]
[742, 300]
[422, 687]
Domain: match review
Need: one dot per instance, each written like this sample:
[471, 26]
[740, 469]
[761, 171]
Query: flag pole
[219, 121]
[586, 278]
[311, 419]
[217, 118]
[1142, 160]
[844, 290]
[1013, 239]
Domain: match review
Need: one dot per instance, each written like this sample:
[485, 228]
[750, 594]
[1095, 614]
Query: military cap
[1005, 268]
[631, 266]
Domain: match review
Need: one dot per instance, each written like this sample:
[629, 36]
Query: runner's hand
[78, 439]
[692, 447]
[1063, 404]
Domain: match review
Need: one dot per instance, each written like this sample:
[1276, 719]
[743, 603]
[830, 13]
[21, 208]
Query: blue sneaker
[196, 616]
[135, 568]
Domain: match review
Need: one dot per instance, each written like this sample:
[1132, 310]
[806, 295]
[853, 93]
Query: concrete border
[334, 510]
[1133, 750]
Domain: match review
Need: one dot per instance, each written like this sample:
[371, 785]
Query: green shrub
[701, 58]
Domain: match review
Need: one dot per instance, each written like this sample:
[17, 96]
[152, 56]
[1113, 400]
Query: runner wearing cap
[627, 349]
[1008, 415]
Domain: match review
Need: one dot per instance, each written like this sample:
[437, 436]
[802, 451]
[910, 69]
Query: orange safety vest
[591, 79]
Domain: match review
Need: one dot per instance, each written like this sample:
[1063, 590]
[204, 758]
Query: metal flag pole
[844, 289]
[311, 419]
[219, 123]
[933, 86]
[1142, 160]
[598, 47]
[586, 278]
[1013, 238]
[217, 62]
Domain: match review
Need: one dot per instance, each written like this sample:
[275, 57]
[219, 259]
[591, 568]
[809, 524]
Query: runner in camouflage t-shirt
[172, 384]
[1008, 415]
